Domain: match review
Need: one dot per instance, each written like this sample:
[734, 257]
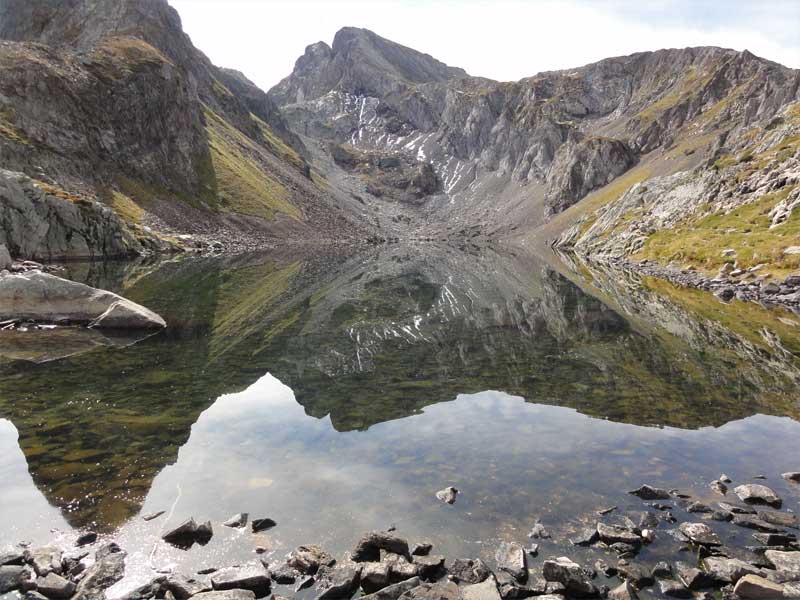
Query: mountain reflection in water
[355, 426]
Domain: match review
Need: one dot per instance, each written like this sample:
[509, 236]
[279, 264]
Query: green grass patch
[700, 242]
[241, 181]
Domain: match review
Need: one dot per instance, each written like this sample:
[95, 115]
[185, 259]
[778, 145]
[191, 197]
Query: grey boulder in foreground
[42, 297]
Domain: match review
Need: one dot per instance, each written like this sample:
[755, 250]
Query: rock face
[38, 225]
[43, 297]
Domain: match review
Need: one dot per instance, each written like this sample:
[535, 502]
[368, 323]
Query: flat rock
[571, 575]
[779, 518]
[700, 533]
[647, 492]
[510, 557]
[55, 586]
[46, 298]
[775, 539]
[729, 570]
[469, 570]
[447, 495]
[692, 577]
[611, 534]
[252, 576]
[787, 564]
[394, 591]
[753, 587]
[585, 537]
[262, 524]
[369, 547]
[755, 493]
[433, 591]
[637, 574]
[308, 559]
[486, 590]
[183, 588]
[752, 522]
[738, 510]
[11, 557]
[226, 595]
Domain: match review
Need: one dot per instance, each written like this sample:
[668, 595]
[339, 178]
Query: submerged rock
[447, 495]
[46, 298]
[646, 492]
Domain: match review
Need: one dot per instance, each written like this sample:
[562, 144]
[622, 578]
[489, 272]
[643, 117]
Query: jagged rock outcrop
[578, 168]
[40, 225]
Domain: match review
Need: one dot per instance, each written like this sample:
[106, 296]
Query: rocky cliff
[111, 99]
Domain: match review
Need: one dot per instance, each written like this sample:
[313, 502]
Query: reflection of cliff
[366, 339]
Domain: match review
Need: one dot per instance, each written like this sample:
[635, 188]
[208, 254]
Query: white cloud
[504, 40]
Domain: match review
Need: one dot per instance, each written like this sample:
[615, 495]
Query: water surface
[336, 394]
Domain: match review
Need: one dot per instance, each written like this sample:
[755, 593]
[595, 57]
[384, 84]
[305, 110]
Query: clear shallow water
[336, 395]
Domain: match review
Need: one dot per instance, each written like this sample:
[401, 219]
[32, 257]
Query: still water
[337, 394]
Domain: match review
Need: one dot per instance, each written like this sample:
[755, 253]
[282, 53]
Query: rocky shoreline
[385, 566]
[745, 286]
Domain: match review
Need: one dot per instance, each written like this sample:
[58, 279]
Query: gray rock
[183, 588]
[787, 564]
[612, 534]
[11, 557]
[12, 577]
[90, 537]
[729, 570]
[55, 586]
[698, 507]
[447, 495]
[106, 549]
[753, 587]
[751, 522]
[238, 520]
[394, 591]
[739, 510]
[182, 534]
[429, 567]
[775, 539]
[469, 570]
[571, 575]
[336, 583]
[433, 591]
[374, 576]
[152, 516]
[44, 560]
[662, 570]
[719, 486]
[647, 492]
[252, 576]
[226, 595]
[779, 518]
[104, 573]
[754, 493]
[637, 574]
[692, 577]
[511, 558]
[538, 532]
[586, 537]
[700, 533]
[308, 559]
[624, 591]
[5, 258]
[793, 476]
[43, 297]
[41, 226]
[674, 589]
[486, 590]
[369, 547]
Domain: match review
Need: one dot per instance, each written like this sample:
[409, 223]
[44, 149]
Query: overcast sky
[501, 39]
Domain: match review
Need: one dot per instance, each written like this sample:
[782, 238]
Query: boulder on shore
[42, 297]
